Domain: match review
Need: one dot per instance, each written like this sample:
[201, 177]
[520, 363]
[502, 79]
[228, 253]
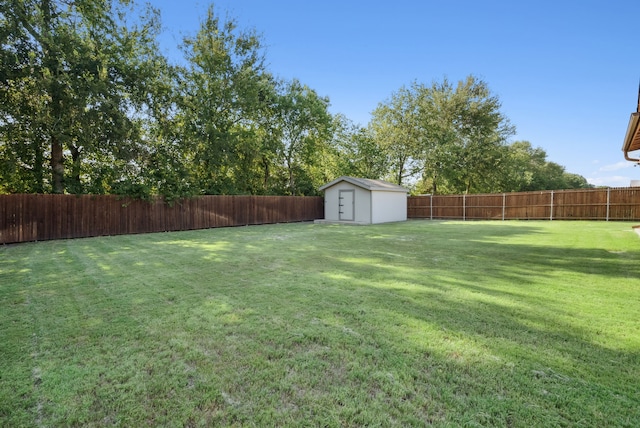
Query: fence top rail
[533, 192]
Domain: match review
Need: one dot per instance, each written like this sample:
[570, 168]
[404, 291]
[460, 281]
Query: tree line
[88, 104]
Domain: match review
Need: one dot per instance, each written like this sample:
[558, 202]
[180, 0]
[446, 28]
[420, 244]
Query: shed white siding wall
[388, 206]
[362, 203]
[331, 204]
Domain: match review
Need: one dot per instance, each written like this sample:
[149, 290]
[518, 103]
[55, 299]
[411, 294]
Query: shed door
[346, 205]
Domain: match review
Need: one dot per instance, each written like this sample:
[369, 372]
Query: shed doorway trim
[346, 205]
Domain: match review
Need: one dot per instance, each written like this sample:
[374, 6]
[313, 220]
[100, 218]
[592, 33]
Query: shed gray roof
[367, 184]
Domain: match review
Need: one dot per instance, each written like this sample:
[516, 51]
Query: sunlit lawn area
[408, 324]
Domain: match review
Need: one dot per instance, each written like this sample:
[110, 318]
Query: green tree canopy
[397, 131]
[74, 76]
[447, 136]
[454, 139]
[528, 169]
[303, 124]
[225, 89]
[88, 105]
[356, 151]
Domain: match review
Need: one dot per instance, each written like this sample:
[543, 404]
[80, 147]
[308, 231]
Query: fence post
[551, 213]
[608, 201]
[504, 202]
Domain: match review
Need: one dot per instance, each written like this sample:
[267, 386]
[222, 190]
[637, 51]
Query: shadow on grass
[415, 323]
[462, 298]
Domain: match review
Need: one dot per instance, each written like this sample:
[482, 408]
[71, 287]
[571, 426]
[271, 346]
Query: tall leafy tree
[163, 162]
[226, 89]
[22, 126]
[74, 75]
[356, 151]
[464, 135]
[483, 135]
[22, 130]
[303, 125]
[528, 169]
[575, 181]
[450, 137]
[438, 149]
[524, 166]
[396, 130]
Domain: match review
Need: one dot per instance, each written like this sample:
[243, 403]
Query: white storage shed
[363, 201]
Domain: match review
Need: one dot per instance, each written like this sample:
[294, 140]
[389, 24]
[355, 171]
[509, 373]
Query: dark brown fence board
[44, 217]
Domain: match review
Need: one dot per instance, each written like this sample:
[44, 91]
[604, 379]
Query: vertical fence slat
[464, 207]
[431, 207]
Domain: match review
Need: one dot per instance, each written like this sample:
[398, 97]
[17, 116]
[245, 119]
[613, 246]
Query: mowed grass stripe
[423, 322]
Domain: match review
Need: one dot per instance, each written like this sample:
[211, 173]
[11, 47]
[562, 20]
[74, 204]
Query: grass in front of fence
[449, 323]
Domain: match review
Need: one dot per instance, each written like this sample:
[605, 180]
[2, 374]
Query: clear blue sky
[566, 71]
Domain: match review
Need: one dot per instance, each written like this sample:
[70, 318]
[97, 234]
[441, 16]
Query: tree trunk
[265, 164]
[289, 162]
[400, 172]
[75, 185]
[292, 184]
[39, 166]
[57, 165]
[52, 63]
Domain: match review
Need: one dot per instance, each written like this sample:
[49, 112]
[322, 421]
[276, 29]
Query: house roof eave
[632, 137]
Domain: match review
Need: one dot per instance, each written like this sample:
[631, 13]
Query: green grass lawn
[407, 324]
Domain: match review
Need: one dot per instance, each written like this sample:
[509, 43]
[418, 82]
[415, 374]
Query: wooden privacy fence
[43, 217]
[585, 204]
